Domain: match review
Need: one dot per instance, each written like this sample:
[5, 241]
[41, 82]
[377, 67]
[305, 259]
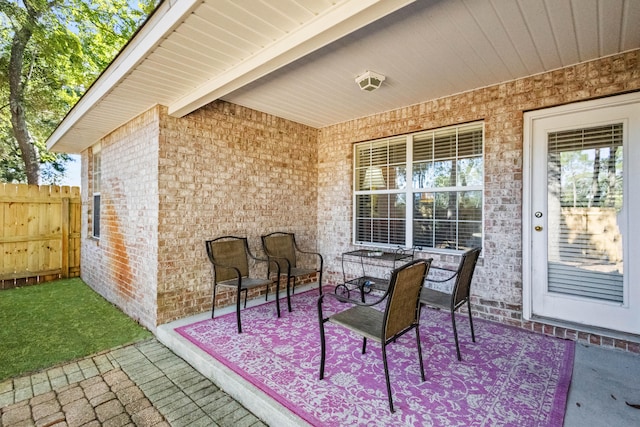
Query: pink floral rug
[509, 377]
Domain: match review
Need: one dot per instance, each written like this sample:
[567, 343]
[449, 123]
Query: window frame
[96, 175]
[408, 191]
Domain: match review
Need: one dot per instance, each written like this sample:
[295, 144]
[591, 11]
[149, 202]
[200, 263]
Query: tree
[50, 52]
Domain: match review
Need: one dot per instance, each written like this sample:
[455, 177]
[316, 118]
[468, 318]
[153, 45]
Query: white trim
[336, 23]
[589, 310]
[526, 218]
[169, 15]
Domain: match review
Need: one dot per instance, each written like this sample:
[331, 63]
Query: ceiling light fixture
[370, 81]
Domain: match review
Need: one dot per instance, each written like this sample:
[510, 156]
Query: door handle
[538, 228]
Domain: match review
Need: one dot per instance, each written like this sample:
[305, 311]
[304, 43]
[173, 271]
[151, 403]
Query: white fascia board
[170, 14]
[336, 23]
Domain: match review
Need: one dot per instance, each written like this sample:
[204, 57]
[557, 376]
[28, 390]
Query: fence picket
[40, 236]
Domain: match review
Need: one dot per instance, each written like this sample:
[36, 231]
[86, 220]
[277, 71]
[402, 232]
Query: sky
[72, 175]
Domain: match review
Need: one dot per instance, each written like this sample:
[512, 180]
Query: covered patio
[599, 390]
[246, 118]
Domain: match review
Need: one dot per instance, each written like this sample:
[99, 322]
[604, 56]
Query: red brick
[633, 347]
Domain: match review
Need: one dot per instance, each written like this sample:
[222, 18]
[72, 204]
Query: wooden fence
[40, 234]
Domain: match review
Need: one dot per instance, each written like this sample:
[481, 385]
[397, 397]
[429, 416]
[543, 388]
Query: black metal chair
[402, 313]
[459, 295]
[282, 250]
[229, 256]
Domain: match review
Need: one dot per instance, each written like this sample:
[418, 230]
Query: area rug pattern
[509, 377]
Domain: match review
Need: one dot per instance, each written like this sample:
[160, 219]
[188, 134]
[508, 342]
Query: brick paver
[144, 384]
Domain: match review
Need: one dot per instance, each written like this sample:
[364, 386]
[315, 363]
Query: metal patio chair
[402, 313]
[229, 256]
[459, 295]
[282, 251]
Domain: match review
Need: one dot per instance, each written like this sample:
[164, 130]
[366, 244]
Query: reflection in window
[585, 196]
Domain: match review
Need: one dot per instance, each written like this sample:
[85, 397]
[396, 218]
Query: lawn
[44, 325]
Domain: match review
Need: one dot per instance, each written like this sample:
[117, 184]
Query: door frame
[527, 181]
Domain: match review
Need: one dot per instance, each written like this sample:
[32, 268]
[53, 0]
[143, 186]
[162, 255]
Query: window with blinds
[585, 196]
[380, 202]
[423, 189]
[95, 184]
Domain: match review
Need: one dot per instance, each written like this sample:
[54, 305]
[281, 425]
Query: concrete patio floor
[603, 381]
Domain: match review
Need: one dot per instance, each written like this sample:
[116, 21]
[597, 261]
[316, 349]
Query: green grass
[44, 325]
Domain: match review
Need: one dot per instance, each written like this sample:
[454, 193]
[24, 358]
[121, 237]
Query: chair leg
[322, 341]
[473, 334]
[246, 292]
[364, 345]
[238, 312]
[277, 295]
[213, 306]
[320, 283]
[420, 352]
[386, 376]
[455, 334]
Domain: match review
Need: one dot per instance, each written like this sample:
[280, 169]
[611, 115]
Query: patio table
[366, 259]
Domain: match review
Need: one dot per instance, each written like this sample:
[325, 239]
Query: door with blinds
[583, 162]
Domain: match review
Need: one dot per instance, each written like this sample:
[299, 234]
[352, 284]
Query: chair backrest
[403, 301]
[462, 287]
[280, 245]
[229, 251]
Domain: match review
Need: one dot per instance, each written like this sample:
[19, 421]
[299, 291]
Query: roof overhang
[298, 59]
[326, 22]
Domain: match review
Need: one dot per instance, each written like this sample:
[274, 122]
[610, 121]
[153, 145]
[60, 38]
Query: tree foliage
[50, 53]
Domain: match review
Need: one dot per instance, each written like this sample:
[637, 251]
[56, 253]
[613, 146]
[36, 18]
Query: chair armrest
[455, 273]
[274, 260]
[295, 244]
[319, 257]
[309, 253]
[321, 317]
[238, 275]
[256, 258]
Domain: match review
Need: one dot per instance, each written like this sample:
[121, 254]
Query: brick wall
[498, 283]
[227, 170]
[122, 265]
[169, 184]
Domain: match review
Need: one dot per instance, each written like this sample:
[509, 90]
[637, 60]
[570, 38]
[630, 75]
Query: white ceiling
[298, 59]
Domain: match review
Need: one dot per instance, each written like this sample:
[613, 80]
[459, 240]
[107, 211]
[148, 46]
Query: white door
[582, 191]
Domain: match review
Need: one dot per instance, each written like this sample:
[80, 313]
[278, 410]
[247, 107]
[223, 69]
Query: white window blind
[379, 181]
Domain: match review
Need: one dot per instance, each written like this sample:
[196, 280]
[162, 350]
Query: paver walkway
[144, 384]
